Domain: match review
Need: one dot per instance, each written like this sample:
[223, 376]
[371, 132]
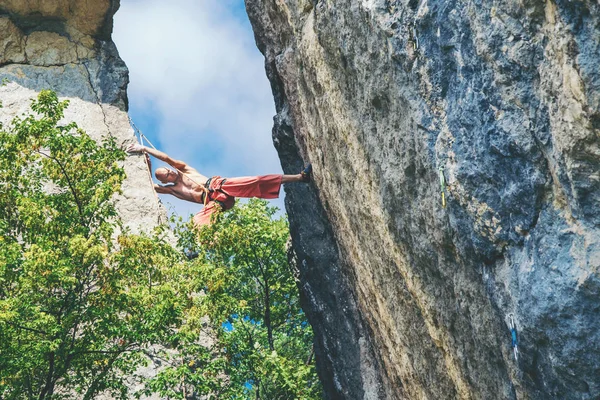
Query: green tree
[81, 306]
[262, 341]
[77, 309]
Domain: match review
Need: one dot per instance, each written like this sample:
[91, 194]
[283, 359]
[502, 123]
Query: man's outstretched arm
[138, 148]
[162, 189]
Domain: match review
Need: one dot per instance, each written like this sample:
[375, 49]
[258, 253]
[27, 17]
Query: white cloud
[196, 66]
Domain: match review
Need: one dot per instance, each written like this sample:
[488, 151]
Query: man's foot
[306, 173]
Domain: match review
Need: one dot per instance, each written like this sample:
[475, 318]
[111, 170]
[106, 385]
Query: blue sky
[198, 88]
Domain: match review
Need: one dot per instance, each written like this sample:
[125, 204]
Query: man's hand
[135, 148]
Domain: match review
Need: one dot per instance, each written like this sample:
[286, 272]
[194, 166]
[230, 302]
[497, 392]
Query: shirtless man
[186, 183]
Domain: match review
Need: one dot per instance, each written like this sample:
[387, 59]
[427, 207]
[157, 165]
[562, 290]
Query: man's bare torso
[189, 186]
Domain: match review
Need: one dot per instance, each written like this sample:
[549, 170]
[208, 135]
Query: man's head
[165, 175]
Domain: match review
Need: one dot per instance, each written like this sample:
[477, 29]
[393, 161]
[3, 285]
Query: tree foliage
[262, 343]
[77, 310]
[83, 303]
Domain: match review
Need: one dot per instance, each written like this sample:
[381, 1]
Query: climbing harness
[209, 191]
[442, 185]
[205, 188]
[513, 334]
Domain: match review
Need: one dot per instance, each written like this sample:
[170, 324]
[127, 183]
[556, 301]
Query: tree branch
[73, 191]
[48, 389]
[27, 329]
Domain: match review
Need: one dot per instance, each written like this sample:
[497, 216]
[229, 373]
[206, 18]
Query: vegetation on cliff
[83, 304]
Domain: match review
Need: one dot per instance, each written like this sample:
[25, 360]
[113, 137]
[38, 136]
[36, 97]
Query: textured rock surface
[409, 299]
[65, 46]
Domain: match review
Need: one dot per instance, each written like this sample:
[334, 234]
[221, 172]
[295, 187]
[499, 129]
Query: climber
[215, 193]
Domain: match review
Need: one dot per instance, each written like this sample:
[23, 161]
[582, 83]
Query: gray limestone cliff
[408, 299]
[66, 46]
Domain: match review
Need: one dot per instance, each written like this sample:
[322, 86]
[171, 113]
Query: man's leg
[292, 178]
[303, 176]
[263, 187]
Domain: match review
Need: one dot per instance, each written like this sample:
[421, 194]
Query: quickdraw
[146, 160]
[513, 334]
[415, 38]
[442, 185]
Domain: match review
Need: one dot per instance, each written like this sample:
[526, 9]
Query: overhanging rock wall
[66, 46]
[409, 299]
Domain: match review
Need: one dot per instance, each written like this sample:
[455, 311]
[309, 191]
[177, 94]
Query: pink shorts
[227, 189]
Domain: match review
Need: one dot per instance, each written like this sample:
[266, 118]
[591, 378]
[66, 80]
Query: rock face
[65, 45]
[409, 299]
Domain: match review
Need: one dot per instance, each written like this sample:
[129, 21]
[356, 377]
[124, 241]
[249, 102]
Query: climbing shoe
[306, 172]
